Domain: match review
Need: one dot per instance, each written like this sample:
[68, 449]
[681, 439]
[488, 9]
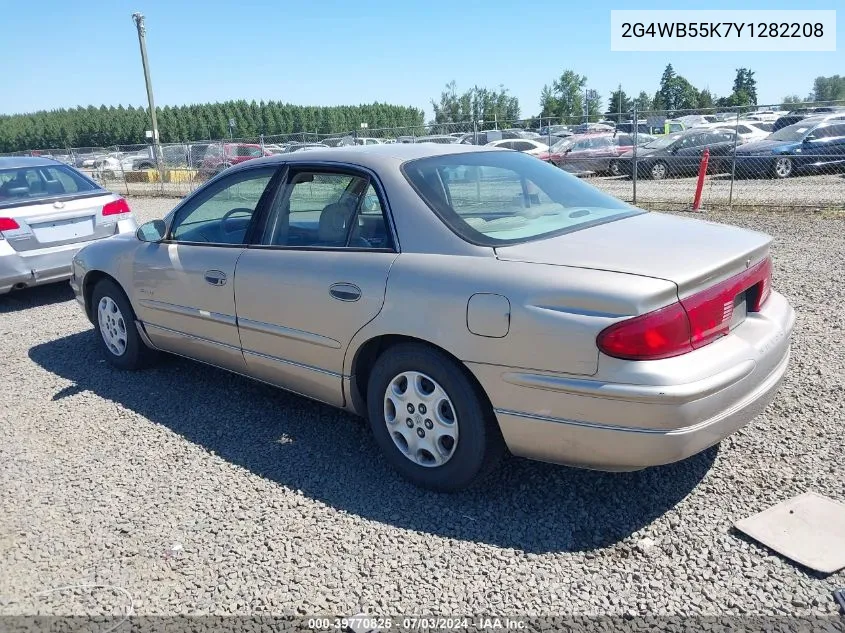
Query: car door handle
[345, 292]
[215, 277]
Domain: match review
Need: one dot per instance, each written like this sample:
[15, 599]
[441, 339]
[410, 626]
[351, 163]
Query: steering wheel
[229, 215]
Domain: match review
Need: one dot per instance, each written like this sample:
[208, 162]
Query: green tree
[619, 105]
[643, 102]
[564, 99]
[705, 99]
[475, 104]
[675, 92]
[829, 88]
[790, 100]
[745, 87]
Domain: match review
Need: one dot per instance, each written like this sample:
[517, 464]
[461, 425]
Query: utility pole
[619, 118]
[142, 41]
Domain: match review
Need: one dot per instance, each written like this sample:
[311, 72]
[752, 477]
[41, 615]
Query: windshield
[498, 198]
[662, 141]
[563, 144]
[795, 132]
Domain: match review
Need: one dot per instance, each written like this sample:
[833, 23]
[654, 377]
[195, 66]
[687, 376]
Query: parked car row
[750, 148]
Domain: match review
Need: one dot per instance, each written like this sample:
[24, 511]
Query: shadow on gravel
[33, 297]
[331, 457]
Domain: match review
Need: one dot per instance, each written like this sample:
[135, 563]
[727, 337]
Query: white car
[524, 145]
[48, 211]
[366, 140]
[748, 131]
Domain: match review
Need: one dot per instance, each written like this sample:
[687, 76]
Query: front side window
[498, 198]
[327, 210]
[223, 213]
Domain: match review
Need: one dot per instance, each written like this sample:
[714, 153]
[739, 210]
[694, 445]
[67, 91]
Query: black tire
[613, 168]
[136, 354]
[479, 446]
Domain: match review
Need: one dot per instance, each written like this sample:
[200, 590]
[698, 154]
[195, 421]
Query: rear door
[55, 205]
[826, 146]
[317, 276]
[183, 287]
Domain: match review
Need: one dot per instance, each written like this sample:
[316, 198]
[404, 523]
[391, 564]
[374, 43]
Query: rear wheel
[429, 419]
[614, 169]
[114, 320]
[783, 167]
[658, 171]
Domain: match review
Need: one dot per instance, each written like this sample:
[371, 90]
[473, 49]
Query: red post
[702, 172]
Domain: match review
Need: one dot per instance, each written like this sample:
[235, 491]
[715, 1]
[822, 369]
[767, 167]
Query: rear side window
[831, 131]
[33, 183]
[498, 198]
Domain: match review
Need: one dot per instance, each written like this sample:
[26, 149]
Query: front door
[315, 277]
[184, 286]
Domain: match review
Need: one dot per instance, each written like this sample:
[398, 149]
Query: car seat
[334, 227]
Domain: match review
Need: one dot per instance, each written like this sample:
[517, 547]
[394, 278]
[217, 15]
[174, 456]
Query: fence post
[261, 142]
[733, 164]
[634, 162]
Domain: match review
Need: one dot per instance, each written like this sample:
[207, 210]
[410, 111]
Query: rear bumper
[24, 269]
[617, 426]
[33, 268]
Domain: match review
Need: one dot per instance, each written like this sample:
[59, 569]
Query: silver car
[465, 300]
[48, 210]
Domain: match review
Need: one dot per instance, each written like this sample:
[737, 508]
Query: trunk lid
[60, 221]
[693, 254]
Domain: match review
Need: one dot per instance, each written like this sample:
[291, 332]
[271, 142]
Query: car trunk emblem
[59, 204]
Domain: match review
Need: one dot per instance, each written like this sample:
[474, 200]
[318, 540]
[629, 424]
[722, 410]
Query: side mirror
[153, 231]
[809, 139]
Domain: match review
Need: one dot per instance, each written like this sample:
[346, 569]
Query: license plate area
[63, 230]
[740, 310]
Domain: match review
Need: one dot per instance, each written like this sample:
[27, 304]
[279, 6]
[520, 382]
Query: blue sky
[330, 52]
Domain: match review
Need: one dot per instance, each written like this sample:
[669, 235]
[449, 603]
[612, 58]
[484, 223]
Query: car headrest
[334, 223]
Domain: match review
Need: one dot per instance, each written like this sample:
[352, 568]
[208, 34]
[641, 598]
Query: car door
[597, 156]
[315, 277]
[184, 285]
[825, 146]
[721, 144]
[688, 154]
[574, 158]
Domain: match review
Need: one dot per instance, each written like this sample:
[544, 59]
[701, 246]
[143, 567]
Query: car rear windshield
[494, 198]
[34, 183]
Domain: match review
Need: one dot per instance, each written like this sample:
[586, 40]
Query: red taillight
[8, 224]
[116, 207]
[659, 334]
[690, 324]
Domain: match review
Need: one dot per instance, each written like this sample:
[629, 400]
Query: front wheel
[430, 420]
[114, 320]
[783, 167]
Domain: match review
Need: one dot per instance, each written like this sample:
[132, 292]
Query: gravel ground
[193, 490]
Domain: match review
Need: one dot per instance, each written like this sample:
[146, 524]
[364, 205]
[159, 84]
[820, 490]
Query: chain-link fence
[768, 157]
